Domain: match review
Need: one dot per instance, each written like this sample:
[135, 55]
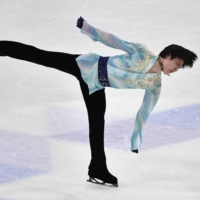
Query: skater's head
[174, 57]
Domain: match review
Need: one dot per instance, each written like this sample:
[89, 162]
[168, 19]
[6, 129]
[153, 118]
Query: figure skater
[138, 68]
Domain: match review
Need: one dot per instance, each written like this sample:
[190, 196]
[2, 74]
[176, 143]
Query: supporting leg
[96, 106]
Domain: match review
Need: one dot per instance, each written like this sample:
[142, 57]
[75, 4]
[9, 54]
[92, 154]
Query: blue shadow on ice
[163, 128]
[22, 156]
[11, 173]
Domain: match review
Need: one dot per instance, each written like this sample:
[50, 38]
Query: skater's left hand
[80, 22]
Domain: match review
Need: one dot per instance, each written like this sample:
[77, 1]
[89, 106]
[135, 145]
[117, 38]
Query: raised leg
[57, 60]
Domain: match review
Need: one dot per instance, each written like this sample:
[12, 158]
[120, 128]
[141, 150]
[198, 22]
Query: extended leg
[61, 61]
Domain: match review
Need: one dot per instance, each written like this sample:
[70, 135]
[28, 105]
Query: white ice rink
[44, 149]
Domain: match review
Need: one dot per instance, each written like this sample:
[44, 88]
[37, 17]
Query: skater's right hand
[135, 151]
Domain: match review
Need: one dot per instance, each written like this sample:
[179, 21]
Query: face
[171, 66]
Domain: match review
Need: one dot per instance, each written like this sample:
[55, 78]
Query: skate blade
[95, 181]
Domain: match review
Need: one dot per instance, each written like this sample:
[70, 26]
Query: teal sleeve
[109, 39]
[149, 101]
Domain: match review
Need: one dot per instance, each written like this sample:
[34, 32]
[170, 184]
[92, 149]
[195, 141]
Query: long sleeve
[149, 101]
[108, 38]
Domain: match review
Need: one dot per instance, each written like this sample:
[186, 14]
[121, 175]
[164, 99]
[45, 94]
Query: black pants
[95, 103]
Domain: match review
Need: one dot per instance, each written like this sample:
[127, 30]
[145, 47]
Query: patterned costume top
[127, 71]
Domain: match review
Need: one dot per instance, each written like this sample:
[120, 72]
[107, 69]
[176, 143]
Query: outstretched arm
[106, 38]
[149, 101]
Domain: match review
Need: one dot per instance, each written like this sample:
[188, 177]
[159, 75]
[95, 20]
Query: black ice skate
[106, 179]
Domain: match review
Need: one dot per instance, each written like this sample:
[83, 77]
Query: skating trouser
[95, 103]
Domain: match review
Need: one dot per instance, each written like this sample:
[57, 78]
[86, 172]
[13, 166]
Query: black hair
[176, 51]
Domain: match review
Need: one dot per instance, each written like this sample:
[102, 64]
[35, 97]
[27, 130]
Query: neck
[157, 67]
[160, 63]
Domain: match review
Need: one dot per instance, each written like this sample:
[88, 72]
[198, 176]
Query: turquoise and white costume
[127, 71]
